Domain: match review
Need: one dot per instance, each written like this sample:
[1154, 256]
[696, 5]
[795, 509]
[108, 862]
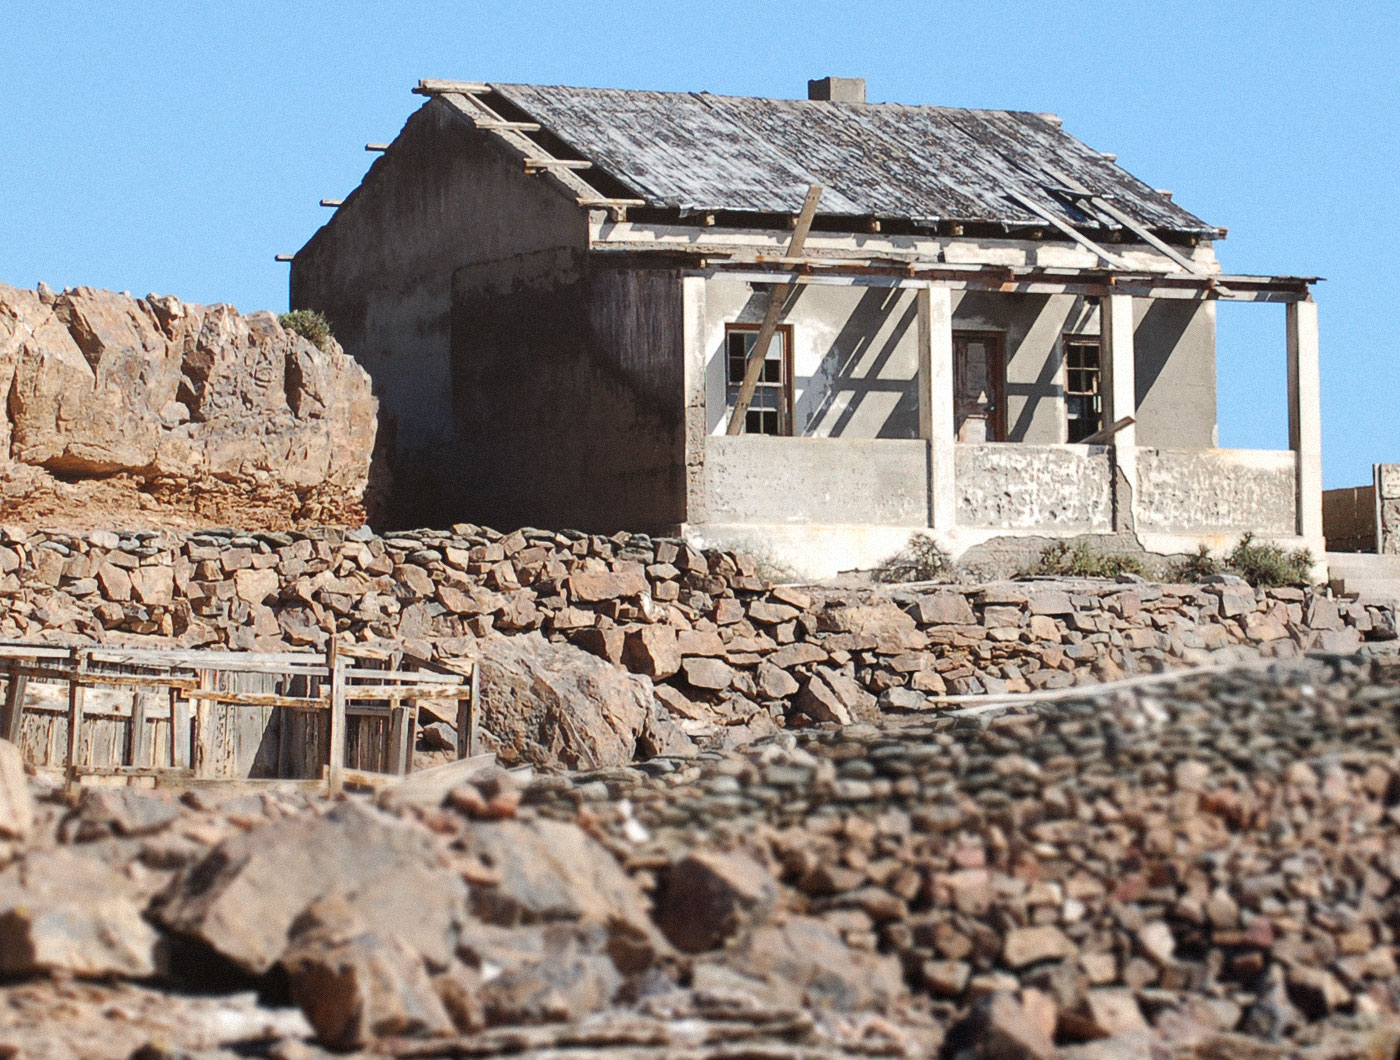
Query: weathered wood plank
[777, 299]
[75, 715]
[335, 766]
[14, 704]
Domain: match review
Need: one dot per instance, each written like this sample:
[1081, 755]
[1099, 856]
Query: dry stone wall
[726, 656]
[151, 411]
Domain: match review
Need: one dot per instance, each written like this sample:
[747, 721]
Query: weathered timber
[776, 301]
[224, 715]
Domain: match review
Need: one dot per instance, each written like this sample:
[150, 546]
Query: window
[770, 411]
[1083, 398]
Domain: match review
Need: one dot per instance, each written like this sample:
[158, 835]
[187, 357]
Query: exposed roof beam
[434, 87]
[1066, 228]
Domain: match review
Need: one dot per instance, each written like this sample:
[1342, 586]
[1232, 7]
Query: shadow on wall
[403, 495]
[1047, 386]
[858, 348]
[1154, 339]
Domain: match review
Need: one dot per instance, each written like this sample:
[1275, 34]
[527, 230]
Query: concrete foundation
[1388, 509]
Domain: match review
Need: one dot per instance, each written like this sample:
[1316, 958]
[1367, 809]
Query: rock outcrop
[126, 411]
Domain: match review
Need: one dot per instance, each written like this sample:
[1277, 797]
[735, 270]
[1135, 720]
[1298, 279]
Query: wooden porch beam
[776, 301]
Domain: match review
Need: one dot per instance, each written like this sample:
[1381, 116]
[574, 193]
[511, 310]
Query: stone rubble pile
[719, 655]
[1209, 867]
[155, 412]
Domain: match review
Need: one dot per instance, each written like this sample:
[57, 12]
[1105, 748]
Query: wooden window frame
[784, 387]
[1067, 341]
[998, 377]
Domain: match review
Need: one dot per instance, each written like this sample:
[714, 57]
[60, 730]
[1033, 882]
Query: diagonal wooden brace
[753, 367]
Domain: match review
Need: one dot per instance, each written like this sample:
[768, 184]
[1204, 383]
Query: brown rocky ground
[1204, 868]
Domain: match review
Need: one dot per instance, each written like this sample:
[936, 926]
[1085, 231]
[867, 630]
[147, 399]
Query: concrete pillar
[696, 416]
[1305, 419]
[1119, 400]
[935, 305]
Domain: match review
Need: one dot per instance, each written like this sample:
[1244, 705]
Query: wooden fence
[98, 711]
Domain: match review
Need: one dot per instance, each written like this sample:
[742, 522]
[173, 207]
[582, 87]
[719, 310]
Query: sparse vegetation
[1194, 568]
[310, 324]
[1270, 565]
[1081, 560]
[921, 560]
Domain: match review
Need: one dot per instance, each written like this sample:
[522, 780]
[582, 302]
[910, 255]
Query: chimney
[838, 89]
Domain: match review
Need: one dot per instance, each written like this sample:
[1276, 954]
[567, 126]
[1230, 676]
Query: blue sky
[176, 147]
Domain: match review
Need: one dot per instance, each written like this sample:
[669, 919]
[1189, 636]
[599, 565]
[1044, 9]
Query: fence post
[14, 703]
[79, 659]
[335, 767]
[466, 719]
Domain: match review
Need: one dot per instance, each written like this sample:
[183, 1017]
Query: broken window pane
[1083, 398]
[770, 409]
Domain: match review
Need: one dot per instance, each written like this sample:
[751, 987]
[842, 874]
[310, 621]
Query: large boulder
[539, 974]
[201, 398]
[711, 897]
[63, 912]
[804, 962]
[243, 899]
[550, 704]
[16, 802]
[356, 984]
[554, 872]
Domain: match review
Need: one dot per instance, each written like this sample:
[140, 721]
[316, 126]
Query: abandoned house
[803, 328]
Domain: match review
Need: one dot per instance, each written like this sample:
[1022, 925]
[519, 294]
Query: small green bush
[1063, 560]
[1194, 568]
[1270, 566]
[919, 561]
[310, 324]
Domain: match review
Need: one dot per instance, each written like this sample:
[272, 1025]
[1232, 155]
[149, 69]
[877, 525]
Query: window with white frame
[770, 411]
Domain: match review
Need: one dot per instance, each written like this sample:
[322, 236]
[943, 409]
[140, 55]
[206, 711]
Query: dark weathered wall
[442, 197]
[568, 396]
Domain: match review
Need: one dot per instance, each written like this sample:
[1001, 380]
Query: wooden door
[979, 387]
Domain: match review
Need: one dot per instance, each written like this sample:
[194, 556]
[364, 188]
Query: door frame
[996, 371]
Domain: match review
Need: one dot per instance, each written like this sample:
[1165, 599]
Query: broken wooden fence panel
[213, 715]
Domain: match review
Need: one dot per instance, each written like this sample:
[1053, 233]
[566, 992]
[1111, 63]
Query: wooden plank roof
[701, 152]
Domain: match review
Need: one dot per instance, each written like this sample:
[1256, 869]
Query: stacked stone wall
[731, 656]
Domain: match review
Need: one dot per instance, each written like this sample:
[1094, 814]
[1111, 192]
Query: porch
[818, 504]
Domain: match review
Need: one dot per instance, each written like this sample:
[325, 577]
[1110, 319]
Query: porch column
[935, 305]
[696, 415]
[1119, 400]
[1305, 419]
